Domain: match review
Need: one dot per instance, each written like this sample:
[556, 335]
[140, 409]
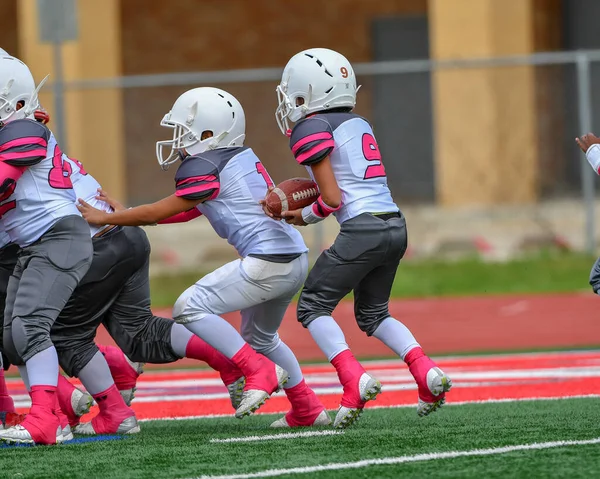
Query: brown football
[291, 195]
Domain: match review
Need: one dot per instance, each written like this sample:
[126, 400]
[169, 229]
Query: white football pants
[260, 290]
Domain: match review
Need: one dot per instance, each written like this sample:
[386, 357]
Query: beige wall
[489, 122]
[94, 126]
[484, 118]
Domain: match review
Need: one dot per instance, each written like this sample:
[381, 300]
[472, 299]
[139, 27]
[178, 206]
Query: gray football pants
[363, 259]
[46, 274]
[115, 292]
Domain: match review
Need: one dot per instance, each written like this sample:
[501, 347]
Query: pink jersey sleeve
[197, 179]
[311, 141]
[23, 142]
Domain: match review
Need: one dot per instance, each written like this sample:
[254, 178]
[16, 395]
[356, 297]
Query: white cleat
[236, 392]
[438, 383]
[322, 419]
[63, 434]
[81, 402]
[368, 388]
[253, 399]
[19, 435]
[128, 426]
[128, 395]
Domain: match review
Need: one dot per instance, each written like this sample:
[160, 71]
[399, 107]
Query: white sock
[180, 337]
[283, 356]
[42, 368]
[328, 336]
[95, 375]
[396, 336]
[25, 377]
[218, 333]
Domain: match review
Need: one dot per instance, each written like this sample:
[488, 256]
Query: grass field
[539, 273]
[182, 449]
[508, 416]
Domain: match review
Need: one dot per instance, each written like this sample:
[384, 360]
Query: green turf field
[539, 273]
[182, 449]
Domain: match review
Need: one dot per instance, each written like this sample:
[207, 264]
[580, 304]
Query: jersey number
[7, 205]
[60, 173]
[372, 153]
[260, 169]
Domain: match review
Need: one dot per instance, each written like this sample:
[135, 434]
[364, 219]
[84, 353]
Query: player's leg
[227, 289]
[371, 300]
[259, 328]
[49, 272]
[359, 248]
[144, 337]
[116, 258]
[8, 260]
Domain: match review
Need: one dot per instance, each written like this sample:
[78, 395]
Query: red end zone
[449, 325]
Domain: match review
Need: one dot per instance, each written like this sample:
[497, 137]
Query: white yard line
[278, 437]
[433, 456]
[399, 406]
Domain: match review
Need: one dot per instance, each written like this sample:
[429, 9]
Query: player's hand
[263, 203]
[294, 217]
[92, 215]
[586, 141]
[114, 204]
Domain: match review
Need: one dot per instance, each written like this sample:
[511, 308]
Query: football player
[115, 292]
[38, 213]
[590, 145]
[220, 178]
[338, 148]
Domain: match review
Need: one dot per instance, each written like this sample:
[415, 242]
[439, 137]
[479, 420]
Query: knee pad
[369, 321]
[307, 310]
[74, 358]
[29, 340]
[180, 315]
[9, 352]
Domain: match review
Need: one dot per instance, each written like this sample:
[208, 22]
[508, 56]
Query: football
[291, 195]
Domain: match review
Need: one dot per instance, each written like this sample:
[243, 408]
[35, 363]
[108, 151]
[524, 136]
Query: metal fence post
[584, 94]
[59, 101]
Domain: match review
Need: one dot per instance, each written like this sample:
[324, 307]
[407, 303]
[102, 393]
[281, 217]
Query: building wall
[230, 34]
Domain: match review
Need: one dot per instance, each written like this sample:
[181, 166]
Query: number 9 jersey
[355, 158]
[43, 193]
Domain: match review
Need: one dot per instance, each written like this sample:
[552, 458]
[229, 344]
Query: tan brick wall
[9, 35]
[228, 34]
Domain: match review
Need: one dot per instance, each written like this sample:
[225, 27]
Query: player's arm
[140, 215]
[590, 145]
[312, 143]
[196, 181]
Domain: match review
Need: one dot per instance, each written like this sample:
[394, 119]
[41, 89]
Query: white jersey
[43, 194]
[86, 187]
[232, 181]
[355, 159]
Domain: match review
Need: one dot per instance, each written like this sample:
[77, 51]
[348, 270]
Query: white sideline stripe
[431, 456]
[397, 406]
[276, 437]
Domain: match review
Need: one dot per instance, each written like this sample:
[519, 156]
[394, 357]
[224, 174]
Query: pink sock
[41, 422]
[198, 349]
[347, 367]
[113, 411]
[6, 402]
[413, 355]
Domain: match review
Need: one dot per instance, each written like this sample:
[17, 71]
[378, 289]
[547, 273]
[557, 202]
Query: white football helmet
[197, 111]
[324, 79]
[17, 85]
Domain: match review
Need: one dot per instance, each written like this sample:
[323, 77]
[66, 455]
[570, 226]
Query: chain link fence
[414, 128]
